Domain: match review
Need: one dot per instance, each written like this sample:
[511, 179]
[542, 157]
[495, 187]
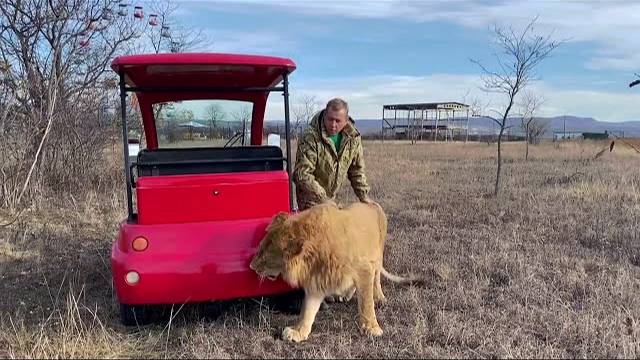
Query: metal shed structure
[421, 121]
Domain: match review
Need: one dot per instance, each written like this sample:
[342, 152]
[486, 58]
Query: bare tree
[54, 55]
[243, 116]
[478, 108]
[520, 54]
[215, 113]
[185, 118]
[56, 88]
[532, 126]
[69, 42]
[186, 39]
[304, 108]
[168, 36]
[162, 33]
[537, 129]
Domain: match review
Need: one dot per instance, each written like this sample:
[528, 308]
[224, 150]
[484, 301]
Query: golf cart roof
[191, 70]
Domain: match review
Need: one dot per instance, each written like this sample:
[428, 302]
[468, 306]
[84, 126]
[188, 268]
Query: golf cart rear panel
[201, 212]
[191, 262]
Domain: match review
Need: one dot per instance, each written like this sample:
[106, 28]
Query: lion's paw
[331, 299]
[373, 330]
[339, 298]
[291, 334]
[381, 300]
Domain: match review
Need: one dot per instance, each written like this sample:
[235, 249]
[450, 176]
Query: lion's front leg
[300, 332]
[368, 320]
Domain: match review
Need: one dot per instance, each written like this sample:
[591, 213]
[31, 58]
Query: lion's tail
[414, 280]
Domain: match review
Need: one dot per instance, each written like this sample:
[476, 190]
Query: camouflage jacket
[320, 170]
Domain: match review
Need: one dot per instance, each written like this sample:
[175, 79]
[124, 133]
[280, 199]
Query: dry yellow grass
[550, 268]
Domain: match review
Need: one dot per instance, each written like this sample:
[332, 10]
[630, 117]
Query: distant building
[426, 120]
[566, 135]
[595, 136]
[571, 135]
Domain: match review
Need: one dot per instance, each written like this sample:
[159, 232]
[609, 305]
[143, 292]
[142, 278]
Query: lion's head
[276, 247]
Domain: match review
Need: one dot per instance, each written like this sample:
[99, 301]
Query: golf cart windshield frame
[124, 89]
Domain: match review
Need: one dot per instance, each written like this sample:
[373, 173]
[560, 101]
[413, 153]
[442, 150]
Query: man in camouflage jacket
[329, 152]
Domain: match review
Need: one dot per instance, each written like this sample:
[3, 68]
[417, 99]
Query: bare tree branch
[303, 109]
[168, 35]
[54, 80]
[521, 53]
[532, 126]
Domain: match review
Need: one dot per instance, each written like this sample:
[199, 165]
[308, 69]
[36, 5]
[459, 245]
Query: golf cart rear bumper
[190, 262]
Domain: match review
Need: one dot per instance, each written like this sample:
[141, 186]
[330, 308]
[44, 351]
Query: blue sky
[392, 51]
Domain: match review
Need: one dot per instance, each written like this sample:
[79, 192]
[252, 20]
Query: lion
[328, 250]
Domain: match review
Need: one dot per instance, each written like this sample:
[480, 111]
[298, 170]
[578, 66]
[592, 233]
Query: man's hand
[367, 200]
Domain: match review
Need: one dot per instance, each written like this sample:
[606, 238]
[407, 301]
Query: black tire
[131, 315]
[289, 302]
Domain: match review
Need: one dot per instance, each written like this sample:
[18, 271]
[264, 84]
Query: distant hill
[481, 125]
[557, 123]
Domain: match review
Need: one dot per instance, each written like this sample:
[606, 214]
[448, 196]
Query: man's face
[335, 120]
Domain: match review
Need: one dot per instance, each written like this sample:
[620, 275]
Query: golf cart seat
[185, 161]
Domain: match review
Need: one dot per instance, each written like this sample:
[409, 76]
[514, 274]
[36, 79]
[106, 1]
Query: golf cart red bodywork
[202, 211]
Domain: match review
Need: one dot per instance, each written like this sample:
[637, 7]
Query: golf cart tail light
[140, 244]
[132, 278]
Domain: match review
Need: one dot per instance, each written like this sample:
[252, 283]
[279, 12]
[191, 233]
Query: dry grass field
[550, 268]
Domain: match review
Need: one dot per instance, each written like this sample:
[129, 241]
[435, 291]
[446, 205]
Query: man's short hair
[337, 104]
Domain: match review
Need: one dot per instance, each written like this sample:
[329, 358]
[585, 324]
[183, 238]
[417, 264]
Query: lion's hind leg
[349, 293]
[344, 291]
[366, 309]
[378, 295]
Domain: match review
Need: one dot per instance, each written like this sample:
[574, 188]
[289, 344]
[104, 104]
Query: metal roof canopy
[413, 121]
[450, 105]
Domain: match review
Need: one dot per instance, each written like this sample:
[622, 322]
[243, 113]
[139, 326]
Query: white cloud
[248, 42]
[366, 95]
[611, 25]
[601, 105]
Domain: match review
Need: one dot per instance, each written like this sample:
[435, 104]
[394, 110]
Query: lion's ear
[281, 217]
[278, 220]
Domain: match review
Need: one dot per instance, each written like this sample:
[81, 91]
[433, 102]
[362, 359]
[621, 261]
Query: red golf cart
[200, 211]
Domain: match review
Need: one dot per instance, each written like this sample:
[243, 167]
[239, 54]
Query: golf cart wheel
[131, 315]
[289, 302]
